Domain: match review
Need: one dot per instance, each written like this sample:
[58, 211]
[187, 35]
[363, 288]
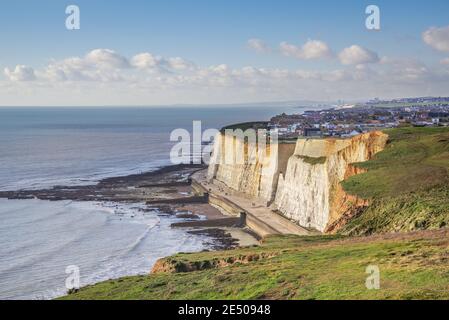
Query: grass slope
[414, 266]
[408, 183]
[409, 189]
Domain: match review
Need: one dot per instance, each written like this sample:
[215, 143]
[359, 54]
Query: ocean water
[40, 239]
[43, 147]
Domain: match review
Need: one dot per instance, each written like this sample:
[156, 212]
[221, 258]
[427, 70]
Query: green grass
[319, 267]
[313, 160]
[247, 125]
[408, 183]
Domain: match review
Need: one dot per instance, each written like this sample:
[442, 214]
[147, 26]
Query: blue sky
[212, 33]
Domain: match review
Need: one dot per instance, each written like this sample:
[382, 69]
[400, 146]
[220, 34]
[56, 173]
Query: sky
[220, 51]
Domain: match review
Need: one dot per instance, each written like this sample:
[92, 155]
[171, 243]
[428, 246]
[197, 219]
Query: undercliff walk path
[258, 211]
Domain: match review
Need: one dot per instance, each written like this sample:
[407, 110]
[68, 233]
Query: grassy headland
[408, 184]
[412, 266]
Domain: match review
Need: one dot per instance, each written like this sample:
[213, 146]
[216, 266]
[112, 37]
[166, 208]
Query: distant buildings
[312, 132]
[351, 120]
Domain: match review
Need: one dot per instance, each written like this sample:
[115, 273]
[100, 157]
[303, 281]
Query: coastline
[166, 192]
[323, 266]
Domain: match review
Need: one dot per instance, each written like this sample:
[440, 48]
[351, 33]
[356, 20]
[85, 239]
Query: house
[312, 132]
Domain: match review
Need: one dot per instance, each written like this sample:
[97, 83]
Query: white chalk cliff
[251, 169]
[300, 181]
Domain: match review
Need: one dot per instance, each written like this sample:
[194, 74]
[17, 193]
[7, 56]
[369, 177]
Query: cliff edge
[299, 180]
[310, 192]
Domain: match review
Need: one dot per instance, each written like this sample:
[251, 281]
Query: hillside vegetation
[407, 183]
[412, 266]
[408, 187]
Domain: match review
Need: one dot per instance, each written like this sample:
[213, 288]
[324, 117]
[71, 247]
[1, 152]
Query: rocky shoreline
[167, 191]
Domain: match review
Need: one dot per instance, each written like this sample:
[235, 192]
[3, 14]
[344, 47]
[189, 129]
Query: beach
[80, 183]
[162, 199]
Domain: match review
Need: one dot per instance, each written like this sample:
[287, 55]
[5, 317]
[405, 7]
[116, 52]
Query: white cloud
[355, 55]
[445, 61]
[408, 70]
[106, 58]
[93, 67]
[178, 63]
[437, 38]
[105, 65]
[105, 77]
[312, 49]
[145, 61]
[69, 69]
[148, 61]
[258, 45]
[20, 73]
[222, 70]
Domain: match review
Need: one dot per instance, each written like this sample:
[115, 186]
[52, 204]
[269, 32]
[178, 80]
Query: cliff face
[310, 191]
[249, 168]
[302, 181]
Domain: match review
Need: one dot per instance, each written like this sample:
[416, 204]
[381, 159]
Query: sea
[44, 244]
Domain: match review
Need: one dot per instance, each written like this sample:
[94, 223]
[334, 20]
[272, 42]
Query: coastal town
[349, 120]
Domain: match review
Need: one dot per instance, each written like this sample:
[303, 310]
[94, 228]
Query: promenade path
[268, 221]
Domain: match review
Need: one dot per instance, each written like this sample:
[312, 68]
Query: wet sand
[167, 190]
